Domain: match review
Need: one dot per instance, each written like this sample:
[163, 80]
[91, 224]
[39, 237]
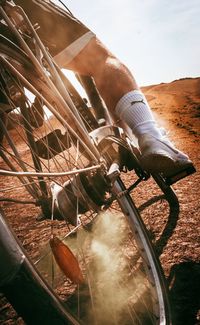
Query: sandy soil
[177, 108]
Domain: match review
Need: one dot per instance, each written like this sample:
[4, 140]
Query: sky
[159, 40]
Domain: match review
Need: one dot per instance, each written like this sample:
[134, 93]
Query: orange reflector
[66, 260]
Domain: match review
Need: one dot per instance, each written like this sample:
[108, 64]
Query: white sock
[134, 110]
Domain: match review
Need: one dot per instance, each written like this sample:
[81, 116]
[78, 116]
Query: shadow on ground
[184, 284]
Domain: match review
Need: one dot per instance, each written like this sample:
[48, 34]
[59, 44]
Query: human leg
[62, 33]
[124, 99]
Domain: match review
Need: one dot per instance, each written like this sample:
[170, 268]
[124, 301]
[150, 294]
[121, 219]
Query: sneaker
[160, 156]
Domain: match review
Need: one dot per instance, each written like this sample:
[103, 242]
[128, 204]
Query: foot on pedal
[160, 156]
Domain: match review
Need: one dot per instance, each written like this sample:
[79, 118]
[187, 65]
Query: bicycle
[68, 160]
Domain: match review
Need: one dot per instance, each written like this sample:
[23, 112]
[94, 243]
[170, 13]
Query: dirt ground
[177, 107]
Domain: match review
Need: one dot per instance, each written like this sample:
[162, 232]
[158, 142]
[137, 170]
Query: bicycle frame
[12, 16]
[12, 257]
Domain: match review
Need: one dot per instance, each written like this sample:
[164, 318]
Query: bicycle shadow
[167, 232]
[184, 293]
[171, 223]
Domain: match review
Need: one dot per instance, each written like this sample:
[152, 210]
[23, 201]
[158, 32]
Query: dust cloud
[115, 289]
[114, 284]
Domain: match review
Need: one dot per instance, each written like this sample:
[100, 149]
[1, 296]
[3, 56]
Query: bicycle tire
[147, 267]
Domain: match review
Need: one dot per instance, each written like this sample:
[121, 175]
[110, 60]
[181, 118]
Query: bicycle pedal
[171, 179]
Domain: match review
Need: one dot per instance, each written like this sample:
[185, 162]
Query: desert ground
[176, 106]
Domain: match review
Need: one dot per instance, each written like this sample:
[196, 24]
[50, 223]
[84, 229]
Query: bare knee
[91, 59]
[97, 61]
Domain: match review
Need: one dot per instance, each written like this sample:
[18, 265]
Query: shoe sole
[157, 163]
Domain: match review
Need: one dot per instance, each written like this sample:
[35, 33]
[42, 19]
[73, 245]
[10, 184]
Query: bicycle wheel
[50, 139]
[121, 281]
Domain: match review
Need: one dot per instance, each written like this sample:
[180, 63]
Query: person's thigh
[57, 28]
